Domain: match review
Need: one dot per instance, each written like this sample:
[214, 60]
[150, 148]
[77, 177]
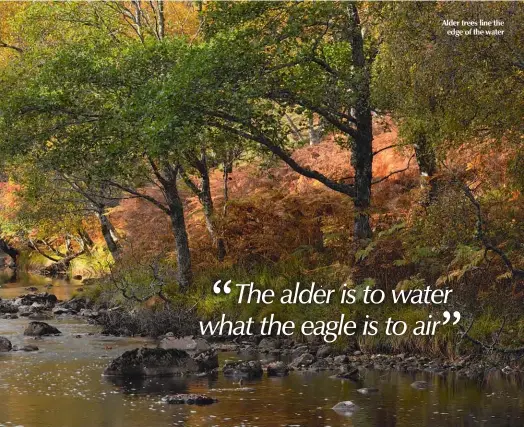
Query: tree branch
[10, 46]
[394, 172]
[134, 192]
[479, 233]
[279, 152]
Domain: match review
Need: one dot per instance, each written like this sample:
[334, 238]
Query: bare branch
[5, 45]
[144, 196]
[385, 148]
[389, 175]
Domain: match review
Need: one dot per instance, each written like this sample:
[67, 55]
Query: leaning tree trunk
[206, 200]
[110, 235]
[61, 268]
[209, 213]
[10, 250]
[361, 148]
[176, 214]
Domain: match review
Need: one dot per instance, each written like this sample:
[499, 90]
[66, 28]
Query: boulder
[319, 365]
[25, 310]
[90, 314]
[303, 361]
[75, 304]
[346, 408]
[268, 345]
[277, 369]
[243, 369]
[324, 351]
[46, 299]
[299, 351]
[189, 344]
[340, 360]
[5, 345]
[38, 329]
[152, 362]
[10, 316]
[8, 308]
[189, 399]
[207, 360]
[348, 372]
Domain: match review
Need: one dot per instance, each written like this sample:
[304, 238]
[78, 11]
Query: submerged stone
[367, 390]
[420, 385]
[190, 399]
[347, 408]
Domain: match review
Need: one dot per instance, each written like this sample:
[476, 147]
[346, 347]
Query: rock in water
[189, 399]
[303, 361]
[153, 362]
[5, 345]
[367, 390]
[324, 351]
[243, 369]
[45, 299]
[420, 385]
[347, 408]
[39, 329]
[347, 372]
[277, 369]
[189, 344]
[7, 307]
[207, 360]
[267, 345]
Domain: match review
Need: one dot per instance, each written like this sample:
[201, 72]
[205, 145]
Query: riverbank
[294, 355]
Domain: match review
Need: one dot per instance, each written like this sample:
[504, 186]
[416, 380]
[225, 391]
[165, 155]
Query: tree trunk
[209, 212]
[206, 200]
[110, 235]
[86, 238]
[427, 164]
[361, 148]
[9, 250]
[176, 214]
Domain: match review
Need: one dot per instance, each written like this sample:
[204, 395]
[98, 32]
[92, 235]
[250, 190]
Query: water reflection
[13, 284]
[62, 386]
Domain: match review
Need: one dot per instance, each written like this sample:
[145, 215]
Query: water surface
[12, 285]
[62, 386]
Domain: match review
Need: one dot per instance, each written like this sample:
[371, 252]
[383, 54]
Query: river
[62, 385]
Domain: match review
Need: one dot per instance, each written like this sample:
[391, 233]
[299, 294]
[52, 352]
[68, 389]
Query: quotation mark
[447, 317]
[217, 290]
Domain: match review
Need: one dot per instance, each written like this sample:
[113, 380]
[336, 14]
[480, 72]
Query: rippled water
[62, 386]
